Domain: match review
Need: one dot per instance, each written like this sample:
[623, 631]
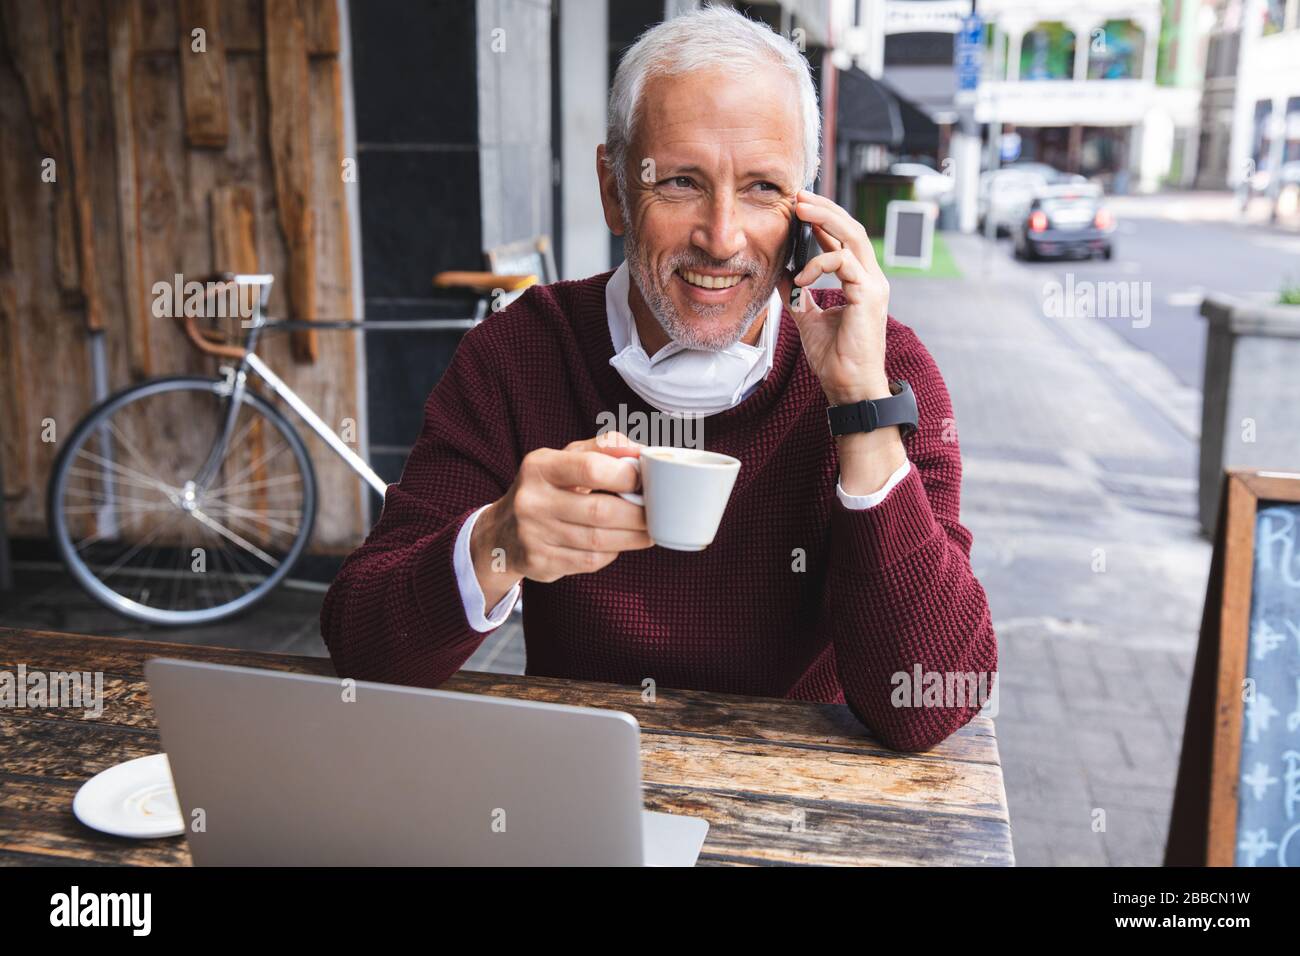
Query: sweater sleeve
[394, 612]
[900, 597]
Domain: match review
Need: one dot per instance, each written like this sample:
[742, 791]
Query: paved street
[1183, 250]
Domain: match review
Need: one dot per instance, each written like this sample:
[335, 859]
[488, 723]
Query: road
[1182, 261]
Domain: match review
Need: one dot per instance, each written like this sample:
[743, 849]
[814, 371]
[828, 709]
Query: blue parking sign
[968, 52]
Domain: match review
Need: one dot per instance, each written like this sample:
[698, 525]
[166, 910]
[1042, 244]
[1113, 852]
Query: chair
[512, 268]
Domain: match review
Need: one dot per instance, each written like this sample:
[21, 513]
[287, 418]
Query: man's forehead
[689, 118]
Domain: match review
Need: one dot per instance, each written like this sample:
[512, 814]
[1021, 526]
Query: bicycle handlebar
[215, 344]
[212, 343]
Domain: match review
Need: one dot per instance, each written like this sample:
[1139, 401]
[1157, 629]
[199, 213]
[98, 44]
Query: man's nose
[722, 234]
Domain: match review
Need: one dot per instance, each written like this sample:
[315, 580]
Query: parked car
[1004, 196]
[928, 185]
[1068, 220]
[1049, 174]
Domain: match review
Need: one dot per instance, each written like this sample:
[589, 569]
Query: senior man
[840, 570]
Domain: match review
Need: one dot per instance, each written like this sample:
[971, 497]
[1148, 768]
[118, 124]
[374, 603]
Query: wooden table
[780, 782]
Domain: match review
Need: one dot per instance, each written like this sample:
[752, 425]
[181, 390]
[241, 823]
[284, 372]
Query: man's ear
[609, 194]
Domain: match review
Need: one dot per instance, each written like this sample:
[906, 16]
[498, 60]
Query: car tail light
[1038, 221]
[1103, 219]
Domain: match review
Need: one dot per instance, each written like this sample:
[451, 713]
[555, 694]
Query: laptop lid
[274, 768]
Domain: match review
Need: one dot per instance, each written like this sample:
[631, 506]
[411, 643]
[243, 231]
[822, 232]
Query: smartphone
[801, 244]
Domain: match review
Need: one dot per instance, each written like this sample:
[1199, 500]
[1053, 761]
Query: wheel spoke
[199, 515]
[254, 517]
[226, 490]
[125, 472]
[252, 466]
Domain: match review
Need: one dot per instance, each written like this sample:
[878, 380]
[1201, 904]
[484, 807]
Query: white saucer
[132, 799]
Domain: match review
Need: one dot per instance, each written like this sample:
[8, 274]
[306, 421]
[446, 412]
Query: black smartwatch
[866, 416]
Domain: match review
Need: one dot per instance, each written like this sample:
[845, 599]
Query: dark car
[1065, 221]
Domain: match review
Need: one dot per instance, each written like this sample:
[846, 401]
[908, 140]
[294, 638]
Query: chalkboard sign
[1237, 800]
[1268, 787]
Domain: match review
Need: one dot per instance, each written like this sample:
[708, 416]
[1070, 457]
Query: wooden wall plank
[121, 30]
[6, 253]
[203, 74]
[157, 22]
[15, 445]
[234, 230]
[338, 520]
[241, 25]
[288, 94]
[103, 186]
[31, 47]
[49, 361]
[161, 194]
[321, 24]
[75, 82]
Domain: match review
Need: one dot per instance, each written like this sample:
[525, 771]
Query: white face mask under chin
[681, 380]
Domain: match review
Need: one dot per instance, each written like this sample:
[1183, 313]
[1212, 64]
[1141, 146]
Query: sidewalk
[1080, 495]
[1196, 205]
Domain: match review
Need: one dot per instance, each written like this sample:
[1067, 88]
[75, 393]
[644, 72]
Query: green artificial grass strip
[942, 265]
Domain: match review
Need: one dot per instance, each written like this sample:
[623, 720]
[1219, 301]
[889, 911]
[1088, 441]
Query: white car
[928, 185]
[1005, 195]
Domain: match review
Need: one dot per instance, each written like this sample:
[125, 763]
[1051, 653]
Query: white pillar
[965, 153]
[1154, 149]
[1015, 38]
[583, 82]
[873, 21]
[1082, 45]
[1151, 54]
[1243, 107]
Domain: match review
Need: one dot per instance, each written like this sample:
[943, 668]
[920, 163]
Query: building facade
[1078, 83]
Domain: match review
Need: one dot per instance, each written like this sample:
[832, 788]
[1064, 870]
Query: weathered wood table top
[780, 782]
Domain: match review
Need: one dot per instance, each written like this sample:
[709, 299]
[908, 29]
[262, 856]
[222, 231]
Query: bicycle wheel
[144, 539]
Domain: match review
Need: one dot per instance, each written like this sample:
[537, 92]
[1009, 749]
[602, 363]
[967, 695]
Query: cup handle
[632, 496]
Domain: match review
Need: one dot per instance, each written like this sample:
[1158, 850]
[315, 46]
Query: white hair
[713, 37]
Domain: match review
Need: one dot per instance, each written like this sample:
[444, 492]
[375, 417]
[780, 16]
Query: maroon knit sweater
[798, 596]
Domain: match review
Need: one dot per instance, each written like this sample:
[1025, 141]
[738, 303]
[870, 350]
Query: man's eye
[771, 187]
[682, 181]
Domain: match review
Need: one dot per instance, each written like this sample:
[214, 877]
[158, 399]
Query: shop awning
[869, 111]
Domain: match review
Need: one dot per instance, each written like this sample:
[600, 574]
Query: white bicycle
[208, 515]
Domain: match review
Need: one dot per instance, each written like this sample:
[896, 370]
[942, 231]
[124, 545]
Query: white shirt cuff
[471, 595]
[862, 502]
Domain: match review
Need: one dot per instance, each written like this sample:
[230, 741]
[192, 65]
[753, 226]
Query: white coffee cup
[684, 492]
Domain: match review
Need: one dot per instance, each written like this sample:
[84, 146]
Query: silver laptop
[290, 769]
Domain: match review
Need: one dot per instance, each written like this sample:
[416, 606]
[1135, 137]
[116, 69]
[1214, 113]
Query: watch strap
[868, 415]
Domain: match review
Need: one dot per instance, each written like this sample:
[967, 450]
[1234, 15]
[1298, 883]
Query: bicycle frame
[249, 360]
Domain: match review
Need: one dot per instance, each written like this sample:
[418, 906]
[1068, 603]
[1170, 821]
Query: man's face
[712, 174]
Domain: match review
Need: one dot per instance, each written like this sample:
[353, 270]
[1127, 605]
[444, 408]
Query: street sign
[1010, 151]
[968, 52]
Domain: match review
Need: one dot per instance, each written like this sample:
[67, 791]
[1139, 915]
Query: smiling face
[711, 177]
